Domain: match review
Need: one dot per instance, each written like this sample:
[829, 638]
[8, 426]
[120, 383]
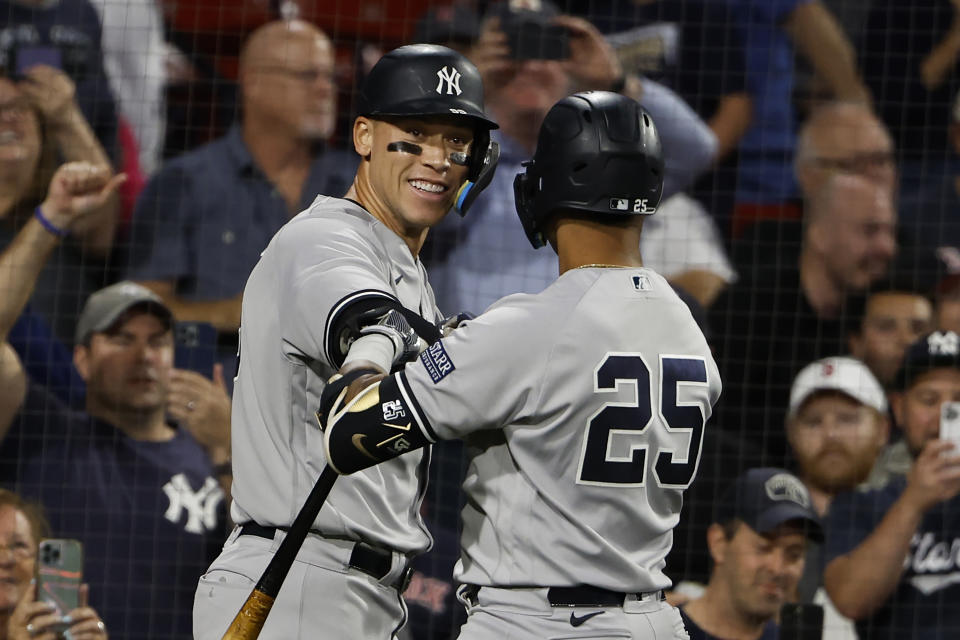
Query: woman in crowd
[22, 526]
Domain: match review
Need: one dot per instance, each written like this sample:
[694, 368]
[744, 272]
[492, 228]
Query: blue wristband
[49, 226]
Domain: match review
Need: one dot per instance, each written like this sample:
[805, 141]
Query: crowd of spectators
[809, 220]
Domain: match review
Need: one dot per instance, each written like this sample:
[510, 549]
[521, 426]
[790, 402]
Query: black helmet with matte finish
[598, 152]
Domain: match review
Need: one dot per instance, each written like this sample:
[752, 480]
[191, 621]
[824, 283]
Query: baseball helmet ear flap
[524, 196]
[478, 156]
[474, 185]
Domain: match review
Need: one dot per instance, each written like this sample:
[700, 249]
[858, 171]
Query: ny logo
[452, 77]
[943, 343]
[201, 506]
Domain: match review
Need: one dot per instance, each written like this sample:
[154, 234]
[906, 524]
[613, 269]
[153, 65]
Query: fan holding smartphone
[913, 518]
[56, 604]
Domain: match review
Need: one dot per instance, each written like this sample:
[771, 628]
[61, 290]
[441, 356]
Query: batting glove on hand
[407, 345]
[452, 322]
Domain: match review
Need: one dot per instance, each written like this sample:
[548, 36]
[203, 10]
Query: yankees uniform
[341, 283]
[325, 258]
[580, 448]
[582, 443]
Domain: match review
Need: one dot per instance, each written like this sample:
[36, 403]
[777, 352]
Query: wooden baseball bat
[253, 614]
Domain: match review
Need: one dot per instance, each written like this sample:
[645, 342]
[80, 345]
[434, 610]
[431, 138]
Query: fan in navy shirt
[141, 493]
[757, 542]
[893, 554]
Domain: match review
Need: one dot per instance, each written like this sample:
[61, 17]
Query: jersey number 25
[616, 443]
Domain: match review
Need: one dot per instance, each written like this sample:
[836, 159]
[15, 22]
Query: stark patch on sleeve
[436, 361]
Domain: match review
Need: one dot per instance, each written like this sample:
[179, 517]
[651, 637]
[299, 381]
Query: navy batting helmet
[428, 80]
[598, 152]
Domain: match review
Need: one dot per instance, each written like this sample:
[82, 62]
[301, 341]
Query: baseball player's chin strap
[375, 426]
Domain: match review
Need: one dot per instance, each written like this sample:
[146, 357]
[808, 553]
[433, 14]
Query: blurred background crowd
[811, 220]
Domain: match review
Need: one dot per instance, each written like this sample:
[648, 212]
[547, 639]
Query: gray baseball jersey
[583, 409]
[323, 259]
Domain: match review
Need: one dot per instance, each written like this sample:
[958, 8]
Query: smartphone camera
[531, 35]
[537, 40]
[21, 58]
[50, 555]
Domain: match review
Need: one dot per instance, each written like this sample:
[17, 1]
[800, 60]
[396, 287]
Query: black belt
[580, 596]
[376, 562]
[587, 596]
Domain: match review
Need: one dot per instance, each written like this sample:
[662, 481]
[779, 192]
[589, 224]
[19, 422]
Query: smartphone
[59, 576]
[950, 423]
[536, 40]
[801, 621]
[31, 56]
[195, 347]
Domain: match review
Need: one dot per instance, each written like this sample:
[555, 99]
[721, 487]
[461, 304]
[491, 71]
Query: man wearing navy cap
[757, 543]
[893, 553]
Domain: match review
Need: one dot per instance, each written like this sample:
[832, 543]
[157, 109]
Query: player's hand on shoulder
[407, 345]
[452, 322]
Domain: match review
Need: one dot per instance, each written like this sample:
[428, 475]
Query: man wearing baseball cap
[836, 425]
[757, 543]
[133, 477]
[892, 560]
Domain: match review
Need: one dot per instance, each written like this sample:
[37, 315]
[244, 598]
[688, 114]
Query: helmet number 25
[621, 437]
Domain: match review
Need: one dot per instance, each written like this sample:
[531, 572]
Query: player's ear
[81, 360]
[363, 136]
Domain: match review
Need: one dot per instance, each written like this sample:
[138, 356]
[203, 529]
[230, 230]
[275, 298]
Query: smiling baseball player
[582, 444]
[342, 283]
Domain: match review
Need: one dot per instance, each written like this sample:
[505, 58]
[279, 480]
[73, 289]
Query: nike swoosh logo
[576, 622]
[357, 440]
[399, 278]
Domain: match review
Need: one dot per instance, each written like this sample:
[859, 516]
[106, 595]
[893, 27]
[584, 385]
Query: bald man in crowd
[843, 138]
[774, 320]
[201, 222]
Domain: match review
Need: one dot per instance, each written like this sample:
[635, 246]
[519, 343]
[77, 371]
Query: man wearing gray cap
[139, 490]
[757, 543]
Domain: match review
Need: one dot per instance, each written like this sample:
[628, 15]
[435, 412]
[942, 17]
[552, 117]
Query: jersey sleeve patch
[437, 362]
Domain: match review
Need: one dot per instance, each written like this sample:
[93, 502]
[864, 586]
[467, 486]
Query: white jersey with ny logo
[583, 409]
[326, 258]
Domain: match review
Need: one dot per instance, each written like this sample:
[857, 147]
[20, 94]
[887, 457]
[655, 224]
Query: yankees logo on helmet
[451, 76]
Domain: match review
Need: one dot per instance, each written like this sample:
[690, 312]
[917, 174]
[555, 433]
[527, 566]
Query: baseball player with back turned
[582, 443]
[340, 284]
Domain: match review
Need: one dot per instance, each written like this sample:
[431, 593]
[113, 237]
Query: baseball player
[582, 407]
[341, 283]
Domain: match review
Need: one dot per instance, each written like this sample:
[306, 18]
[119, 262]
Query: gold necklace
[603, 266]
